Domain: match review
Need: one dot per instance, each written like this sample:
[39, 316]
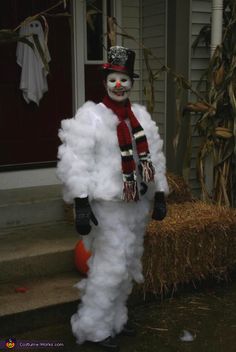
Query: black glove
[159, 209]
[143, 188]
[83, 215]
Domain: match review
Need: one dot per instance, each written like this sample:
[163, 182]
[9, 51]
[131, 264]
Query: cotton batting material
[90, 158]
[90, 165]
[116, 262]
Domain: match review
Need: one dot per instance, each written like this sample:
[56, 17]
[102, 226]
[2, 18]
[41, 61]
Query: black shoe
[128, 330]
[109, 344]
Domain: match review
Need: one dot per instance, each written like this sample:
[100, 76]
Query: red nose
[118, 84]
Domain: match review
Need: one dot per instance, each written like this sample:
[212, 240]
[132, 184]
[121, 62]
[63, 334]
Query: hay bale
[179, 190]
[195, 241]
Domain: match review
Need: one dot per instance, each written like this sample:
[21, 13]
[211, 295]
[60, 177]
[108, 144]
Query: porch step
[48, 299]
[37, 251]
[19, 207]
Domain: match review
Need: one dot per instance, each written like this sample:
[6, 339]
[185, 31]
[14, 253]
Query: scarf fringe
[147, 171]
[130, 191]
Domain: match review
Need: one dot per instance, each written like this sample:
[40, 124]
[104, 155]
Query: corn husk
[223, 132]
[219, 75]
[199, 107]
[179, 190]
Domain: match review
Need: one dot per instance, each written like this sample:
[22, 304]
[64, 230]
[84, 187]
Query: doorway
[28, 133]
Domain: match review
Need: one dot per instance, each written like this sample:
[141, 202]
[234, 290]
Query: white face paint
[118, 86]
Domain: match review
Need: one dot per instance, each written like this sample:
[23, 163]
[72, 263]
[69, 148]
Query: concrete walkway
[203, 320]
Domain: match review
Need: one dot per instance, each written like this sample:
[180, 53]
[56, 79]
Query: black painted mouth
[119, 92]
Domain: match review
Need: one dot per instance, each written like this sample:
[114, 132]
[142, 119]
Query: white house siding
[131, 23]
[200, 15]
[154, 38]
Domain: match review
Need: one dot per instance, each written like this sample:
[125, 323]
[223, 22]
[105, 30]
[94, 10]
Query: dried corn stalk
[217, 117]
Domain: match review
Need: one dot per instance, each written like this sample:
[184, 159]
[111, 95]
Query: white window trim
[78, 80]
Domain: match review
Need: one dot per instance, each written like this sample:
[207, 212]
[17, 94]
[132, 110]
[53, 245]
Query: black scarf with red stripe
[147, 171]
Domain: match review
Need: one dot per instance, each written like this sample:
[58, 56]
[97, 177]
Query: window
[96, 42]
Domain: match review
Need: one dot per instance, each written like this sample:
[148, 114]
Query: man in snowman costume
[112, 166]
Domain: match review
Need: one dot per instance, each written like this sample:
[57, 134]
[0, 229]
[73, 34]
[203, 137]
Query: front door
[28, 133]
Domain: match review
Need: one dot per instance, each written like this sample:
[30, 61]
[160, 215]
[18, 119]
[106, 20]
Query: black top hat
[120, 59]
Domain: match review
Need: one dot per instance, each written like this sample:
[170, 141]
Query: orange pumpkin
[81, 257]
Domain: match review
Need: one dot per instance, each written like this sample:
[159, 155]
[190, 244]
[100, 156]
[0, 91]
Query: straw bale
[195, 241]
[179, 190]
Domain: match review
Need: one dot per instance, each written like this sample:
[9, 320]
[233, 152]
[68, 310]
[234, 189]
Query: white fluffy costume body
[90, 165]
[90, 154]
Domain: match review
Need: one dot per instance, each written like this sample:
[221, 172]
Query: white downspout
[216, 24]
[216, 39]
